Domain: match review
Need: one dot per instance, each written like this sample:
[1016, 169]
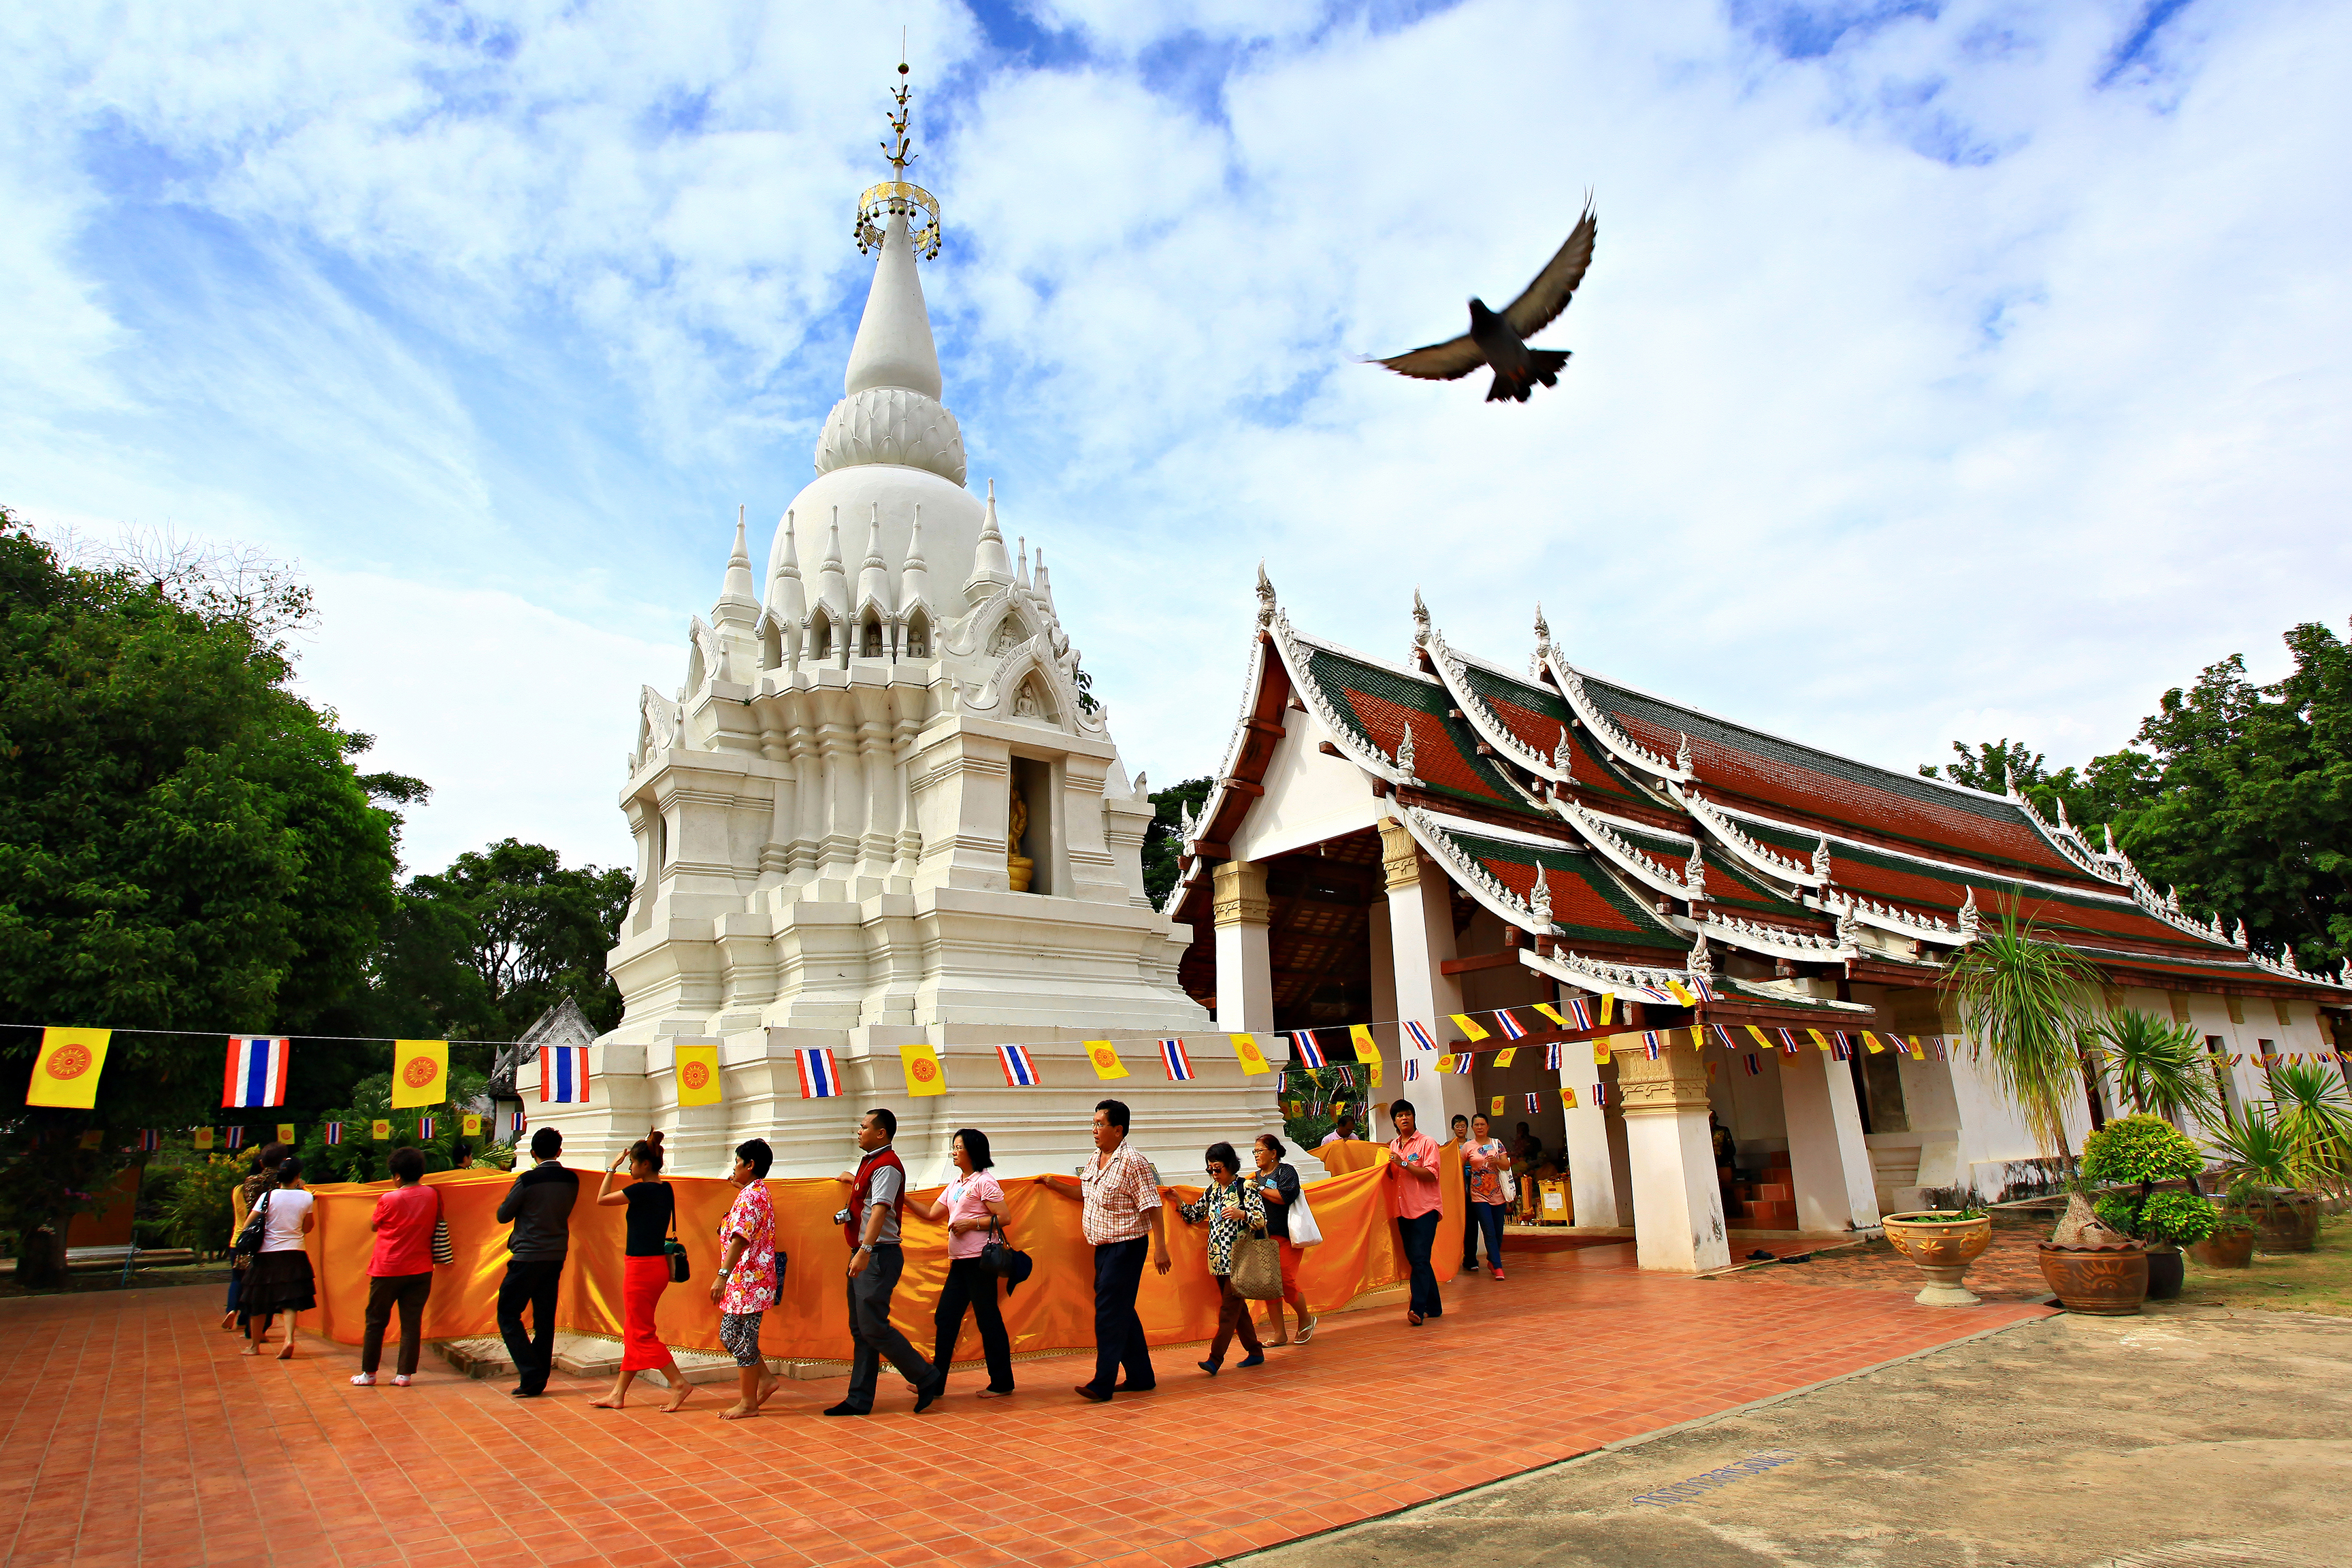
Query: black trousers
[1119, 1331]
[1418, 1235]
[970, 1284]
[530, 1284]
[869, 1327]
[385, 1291]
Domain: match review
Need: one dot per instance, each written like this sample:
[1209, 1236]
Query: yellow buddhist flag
[921, 1066]
[1698, 1036]
[1253, 1059]
[1710, 1070]
[1567, 1098]
[95, 1137]
[1548, 1011]
[1919, 1051]
[1470, 1031]
[1494, 1105]
[698, 1075]
[1503, 1057]
[1445, 1062]
[1600, 1052]
[203, 1139]
[67, 1072]
[471, 1124]
[1681, 995]
[1758, 1036]
[1374, 1067]
[420, 1073]
[378, 1130]
[1819, 1038]
[1104, 1059]
[286, 1132]
[1873, 1042]
[1365, 1052]
[1608, 1004]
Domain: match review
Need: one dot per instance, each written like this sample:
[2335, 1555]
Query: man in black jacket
[538, 1205]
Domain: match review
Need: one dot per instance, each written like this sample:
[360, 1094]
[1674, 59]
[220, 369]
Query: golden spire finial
[896, 197]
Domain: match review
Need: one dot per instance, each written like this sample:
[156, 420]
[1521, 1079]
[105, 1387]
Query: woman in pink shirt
[400, 1272]
[969, 1205]
[1411, 1173]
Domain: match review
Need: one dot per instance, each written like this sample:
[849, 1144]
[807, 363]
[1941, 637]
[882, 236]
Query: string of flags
[204, 1140]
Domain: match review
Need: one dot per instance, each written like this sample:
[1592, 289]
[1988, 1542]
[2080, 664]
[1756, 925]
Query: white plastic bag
[1304, 1231]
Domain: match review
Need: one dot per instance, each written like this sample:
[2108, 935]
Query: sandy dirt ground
[2192, 1435]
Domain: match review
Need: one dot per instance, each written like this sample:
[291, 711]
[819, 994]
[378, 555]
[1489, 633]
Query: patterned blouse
[753, 1286]
[1222, 1232]
[1483, 1164]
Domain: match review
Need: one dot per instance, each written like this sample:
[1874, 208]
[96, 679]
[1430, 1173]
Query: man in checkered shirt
[1122, 1213]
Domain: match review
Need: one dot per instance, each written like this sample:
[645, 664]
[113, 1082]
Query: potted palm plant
[2146, 1150]
[2258, 1164]
[2158, 1066]
[2024, 1003]
[2315, 1114]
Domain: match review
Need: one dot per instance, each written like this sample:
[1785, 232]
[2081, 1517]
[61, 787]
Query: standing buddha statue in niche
[1018, 867]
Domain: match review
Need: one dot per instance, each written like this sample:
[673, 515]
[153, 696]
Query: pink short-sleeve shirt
[968, 1197]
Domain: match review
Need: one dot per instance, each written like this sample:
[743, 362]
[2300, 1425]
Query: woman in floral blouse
[1233, 1209]
[746, 1285]
[1485, 1164]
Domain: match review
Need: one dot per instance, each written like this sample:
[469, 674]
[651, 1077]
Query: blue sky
[1945, 370]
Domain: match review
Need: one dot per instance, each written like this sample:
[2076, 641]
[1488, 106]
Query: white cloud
[1920, 381]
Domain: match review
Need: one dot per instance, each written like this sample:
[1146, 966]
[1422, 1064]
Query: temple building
[1403, 841]
[882, 809]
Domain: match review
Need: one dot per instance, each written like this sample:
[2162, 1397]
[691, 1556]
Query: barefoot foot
[737, 1410]
[767, 1392]
[678, 1401]
[607, 1403]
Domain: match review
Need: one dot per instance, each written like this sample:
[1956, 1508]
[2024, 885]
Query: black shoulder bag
[679, 1271]
[257, 1227]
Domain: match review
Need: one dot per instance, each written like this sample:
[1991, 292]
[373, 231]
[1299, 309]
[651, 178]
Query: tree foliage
[2238, 794]
[1163, 840]
[183, 841]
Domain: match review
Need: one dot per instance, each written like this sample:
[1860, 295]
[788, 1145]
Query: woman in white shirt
[967, 1206]
[279, 1279]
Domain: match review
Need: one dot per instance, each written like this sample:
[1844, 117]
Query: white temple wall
[1309, 797]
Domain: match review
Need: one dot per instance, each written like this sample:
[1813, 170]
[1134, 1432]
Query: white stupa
[881, 810]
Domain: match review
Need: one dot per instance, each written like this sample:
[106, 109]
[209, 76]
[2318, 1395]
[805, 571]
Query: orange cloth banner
[1052, 1309]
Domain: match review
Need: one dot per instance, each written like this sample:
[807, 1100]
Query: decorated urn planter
[1941, 1247]
[2286, 1222]
[2108, 1280]
[2226, 1249]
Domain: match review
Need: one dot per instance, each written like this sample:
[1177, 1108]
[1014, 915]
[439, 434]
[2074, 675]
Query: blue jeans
[1485, 1219]
[1419, 1234]
[1119, 1331]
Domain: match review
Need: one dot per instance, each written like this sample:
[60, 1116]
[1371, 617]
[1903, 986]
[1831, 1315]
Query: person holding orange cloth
[652, 1208]
[1413, 1198]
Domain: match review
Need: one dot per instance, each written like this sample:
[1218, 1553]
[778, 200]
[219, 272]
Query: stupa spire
[786, 596]
[894, 345]
[992, 566]
[736, 601]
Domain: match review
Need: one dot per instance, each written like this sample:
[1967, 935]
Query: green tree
[1163, 841]
[1990, 766]
[185, 845]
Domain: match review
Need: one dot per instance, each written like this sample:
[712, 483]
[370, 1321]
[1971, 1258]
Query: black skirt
[278, 1282]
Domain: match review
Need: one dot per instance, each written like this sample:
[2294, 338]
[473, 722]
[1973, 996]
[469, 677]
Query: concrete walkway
[2186, 1436]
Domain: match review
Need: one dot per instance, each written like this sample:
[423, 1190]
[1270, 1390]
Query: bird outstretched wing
[1548, 296]
[1448, 361]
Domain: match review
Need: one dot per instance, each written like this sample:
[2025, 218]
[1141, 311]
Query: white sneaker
[364, 1380]
[400, 1380]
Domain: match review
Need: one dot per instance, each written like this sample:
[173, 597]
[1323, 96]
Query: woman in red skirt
[645, 1271]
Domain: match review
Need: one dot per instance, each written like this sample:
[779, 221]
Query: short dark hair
[1223, 1154]
[1459, 1117]
[1346, 1119]
[1482, 1116]
[271, 1153]
[461, 1151]
[755, 1153]
[1116, 1110]
[886, 1118]
[408, 1164]
[975, 1147]
[1273, 1145]
[1402, 1108]
[546, 1144]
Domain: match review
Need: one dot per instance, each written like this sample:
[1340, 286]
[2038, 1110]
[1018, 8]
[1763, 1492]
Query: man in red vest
[877, 1192]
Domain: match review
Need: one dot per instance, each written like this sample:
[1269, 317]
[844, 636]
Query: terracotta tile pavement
[132, 1432]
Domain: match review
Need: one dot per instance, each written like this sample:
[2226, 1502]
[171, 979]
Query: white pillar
[1678, 1206]
[1421, 937]
[1826, 1153]
[1591, 1171]
[1244, 964]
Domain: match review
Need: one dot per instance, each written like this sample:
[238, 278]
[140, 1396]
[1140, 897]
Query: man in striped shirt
[1122, 1212]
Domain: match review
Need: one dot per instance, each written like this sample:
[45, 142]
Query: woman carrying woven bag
[1286, 1208]
[1236, 1217]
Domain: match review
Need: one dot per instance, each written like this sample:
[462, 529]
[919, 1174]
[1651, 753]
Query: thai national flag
[820, 1078]
[1551, 1057]
[334, 1133]
[236, 1136]
[1600, 1094]
[1938, 1044]
[518, 1123]
[1535, 1101]
[1420, 1036]
[1411, 1069]
[1304, 1050]
[1705, 992]
[1179, 1063]
[1650, 1043]
[149, 1140]
[1462, 1062]
[1723, 1034]
[256, 1070]
[1512, 1029]
[1754, 1066]
[563, 1075]
[1019, 1072]
[1788, 1041]
[1581, 1010]
[424, 1126]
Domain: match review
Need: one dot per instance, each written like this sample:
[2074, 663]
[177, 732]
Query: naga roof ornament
[1540, 901]
[1822, 861]
[1701, 961]
[1561, 756]
[1695, 873]
[1971, 923]
[1404, 753]
[1420, 621]
[2237, 938]
[1682, 753]
[1265, 601]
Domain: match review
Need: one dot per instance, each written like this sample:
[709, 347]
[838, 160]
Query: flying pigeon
[1499, 339]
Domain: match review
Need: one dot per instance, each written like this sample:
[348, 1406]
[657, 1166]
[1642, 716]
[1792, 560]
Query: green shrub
[2141, 1149]
[2178, 1219]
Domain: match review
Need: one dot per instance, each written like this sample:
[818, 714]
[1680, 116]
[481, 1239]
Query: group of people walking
[1257, 1218]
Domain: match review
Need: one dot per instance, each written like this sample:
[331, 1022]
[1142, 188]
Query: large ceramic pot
[2224, 1249]
[1941, 1248]
[2165, 1273]
[2105, 1281]
[2284, 1222]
